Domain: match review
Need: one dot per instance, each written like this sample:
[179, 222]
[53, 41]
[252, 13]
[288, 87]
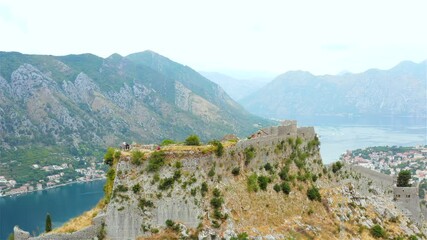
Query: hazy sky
[327, 36]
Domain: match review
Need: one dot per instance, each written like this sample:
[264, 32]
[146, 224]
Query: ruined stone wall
[407, 197]
[306, 132]
[373, 181]
[276, 134]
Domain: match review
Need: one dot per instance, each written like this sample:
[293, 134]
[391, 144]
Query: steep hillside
[400, 91]
[272, 186]
[77, 104]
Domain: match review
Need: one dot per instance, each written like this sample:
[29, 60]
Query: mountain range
[400, 91]
[237, 88]
[81, 101]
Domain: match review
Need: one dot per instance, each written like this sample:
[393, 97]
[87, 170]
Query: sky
[242, 38]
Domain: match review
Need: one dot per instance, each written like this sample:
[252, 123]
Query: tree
[403, 178]
[219, 150]
[48, 226]
[336, 166]
[192, 140]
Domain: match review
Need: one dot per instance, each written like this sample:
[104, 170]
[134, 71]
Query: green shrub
[336, 166]
[217, 214]
[178, 164]
[166, 183]
[216, 192]
[268, 167]
[377, 231]
[253, 183]
[314, 178]
[204, 189]
[235, 171]
[313, 194]
[286, 188]
[192, 140]
[156, 161]
[241, 236]
[298, 141]
[277, 187]
[211, 172]
[263, 181]
[137, 157]
[109, 156]
[193, 192]
[117, 155]
[121, 188]
[249, 154]
[169, 223]
[216, 202]
[144, 203]
[283, 174]
[136, 188]
[177, 175]
[219, 148]
[167, 142]
[215, 224]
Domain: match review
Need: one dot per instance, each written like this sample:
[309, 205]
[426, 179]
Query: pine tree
[48, 227]
[403, 178]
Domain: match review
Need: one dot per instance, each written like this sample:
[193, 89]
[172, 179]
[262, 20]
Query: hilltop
[270, 186]
[56, 108]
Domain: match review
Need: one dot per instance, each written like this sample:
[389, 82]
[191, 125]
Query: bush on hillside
[156, 161]
[109, 156]
[313, 194]
[336, 166]
[253, 183]
[137, 157]
[377, 231]
[192, 140]
[235, 171]
[167, 142]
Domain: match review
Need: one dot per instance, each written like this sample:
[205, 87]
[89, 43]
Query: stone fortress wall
[273, 135]
[406, 198]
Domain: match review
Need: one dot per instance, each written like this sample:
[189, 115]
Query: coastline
[52, 187]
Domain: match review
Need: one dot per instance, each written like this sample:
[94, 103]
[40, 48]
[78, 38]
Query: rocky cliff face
[263, 188]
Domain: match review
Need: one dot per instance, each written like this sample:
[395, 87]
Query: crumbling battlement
[272, 135]
[407, 197]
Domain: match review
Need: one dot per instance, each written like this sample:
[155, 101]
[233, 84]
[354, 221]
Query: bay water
[28, 211]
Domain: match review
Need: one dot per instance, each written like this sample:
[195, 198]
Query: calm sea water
[338, 134]
[28, 211]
